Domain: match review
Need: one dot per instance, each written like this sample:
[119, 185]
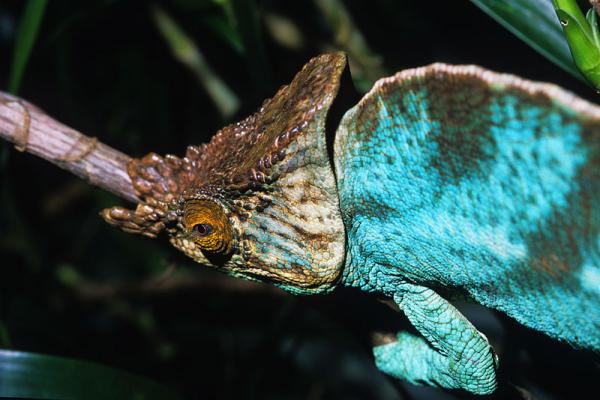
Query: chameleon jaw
[292, 279]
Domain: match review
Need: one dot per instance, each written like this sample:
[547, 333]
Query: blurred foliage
[147, 77]
[28, 29]
[187, 53]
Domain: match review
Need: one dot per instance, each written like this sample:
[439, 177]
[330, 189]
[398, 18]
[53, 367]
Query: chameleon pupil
[202, 229]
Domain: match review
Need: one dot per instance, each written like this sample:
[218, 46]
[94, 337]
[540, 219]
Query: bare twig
[31, 130]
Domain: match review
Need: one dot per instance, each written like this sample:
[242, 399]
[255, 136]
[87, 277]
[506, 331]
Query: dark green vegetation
[72, 286]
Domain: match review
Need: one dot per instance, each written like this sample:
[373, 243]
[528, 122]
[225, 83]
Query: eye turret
[208, 226]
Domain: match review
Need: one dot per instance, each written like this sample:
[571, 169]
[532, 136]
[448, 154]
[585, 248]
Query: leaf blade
[534, 22]
[39, 376]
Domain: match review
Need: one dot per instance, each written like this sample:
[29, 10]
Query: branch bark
[33, 131]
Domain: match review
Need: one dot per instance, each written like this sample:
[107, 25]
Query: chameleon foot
[451, 354]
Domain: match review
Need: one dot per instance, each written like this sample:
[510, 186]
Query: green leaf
[581, 34]
[28, 29]
[38, 376]
[592, 19]
[536, 23]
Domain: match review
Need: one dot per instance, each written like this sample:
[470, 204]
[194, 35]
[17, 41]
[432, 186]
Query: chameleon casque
[442, 179]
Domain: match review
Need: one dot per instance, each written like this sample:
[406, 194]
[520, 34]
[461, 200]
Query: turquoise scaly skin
[442, 179]
[463, 179]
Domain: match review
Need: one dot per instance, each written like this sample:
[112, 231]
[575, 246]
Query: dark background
[71, 285]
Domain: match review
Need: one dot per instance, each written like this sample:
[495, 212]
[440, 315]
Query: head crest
[240, 157]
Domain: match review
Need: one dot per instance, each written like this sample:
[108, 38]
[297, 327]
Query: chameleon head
[253, 237]
[259, 201]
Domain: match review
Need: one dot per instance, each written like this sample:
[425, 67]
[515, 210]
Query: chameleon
[441, 181]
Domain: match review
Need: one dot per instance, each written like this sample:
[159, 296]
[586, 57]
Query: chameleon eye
[208, 226]
[202, 230]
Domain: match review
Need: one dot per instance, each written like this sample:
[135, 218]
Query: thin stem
[31, 130]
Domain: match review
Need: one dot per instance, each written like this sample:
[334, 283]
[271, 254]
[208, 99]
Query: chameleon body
[447, 179]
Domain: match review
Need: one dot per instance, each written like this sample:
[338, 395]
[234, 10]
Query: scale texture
[461, 178]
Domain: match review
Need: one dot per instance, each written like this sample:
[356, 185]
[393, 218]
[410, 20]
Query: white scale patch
[589, 277]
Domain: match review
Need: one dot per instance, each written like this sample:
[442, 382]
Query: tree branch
[31, 130]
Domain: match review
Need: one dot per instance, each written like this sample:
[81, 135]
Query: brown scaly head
[259, 201]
